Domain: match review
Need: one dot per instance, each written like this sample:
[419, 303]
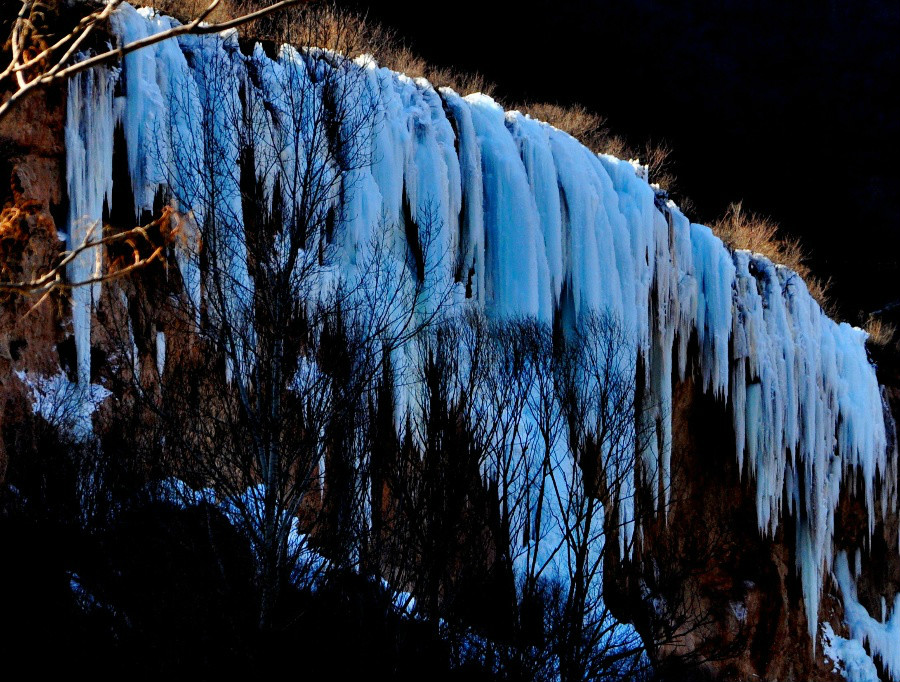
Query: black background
[789, 106]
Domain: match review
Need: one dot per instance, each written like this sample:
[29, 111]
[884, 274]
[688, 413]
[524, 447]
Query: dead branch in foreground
[36, 64]
[135, 239]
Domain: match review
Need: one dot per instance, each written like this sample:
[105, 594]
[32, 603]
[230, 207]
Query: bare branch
[54, 278]
[52, 70]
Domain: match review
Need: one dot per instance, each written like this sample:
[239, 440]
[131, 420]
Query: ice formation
[66, 405]
[881, 636]
[528, 222]
[848, 656]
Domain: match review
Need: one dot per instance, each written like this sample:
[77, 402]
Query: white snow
[882, 637]
[531, 223]
[849, 657]
[67, 405]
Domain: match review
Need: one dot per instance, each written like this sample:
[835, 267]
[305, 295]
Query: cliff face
[33, 176]
[732, 597]
[768, 456]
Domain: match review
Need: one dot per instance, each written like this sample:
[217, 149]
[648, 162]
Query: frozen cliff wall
[522, 221]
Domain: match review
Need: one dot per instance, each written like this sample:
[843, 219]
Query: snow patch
[67, 405]
[849, 657]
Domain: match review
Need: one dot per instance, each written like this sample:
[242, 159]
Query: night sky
[790, 107]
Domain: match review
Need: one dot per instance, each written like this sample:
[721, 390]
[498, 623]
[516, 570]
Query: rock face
[727, 602]
[32, 173]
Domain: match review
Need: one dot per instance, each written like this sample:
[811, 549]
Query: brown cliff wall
[721, 601]
[32, 192]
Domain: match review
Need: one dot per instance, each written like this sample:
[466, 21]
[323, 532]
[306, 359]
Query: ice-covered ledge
[538, 225]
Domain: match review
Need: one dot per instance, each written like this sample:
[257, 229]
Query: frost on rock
[882, 637]
[529, 222]
[848, 656]
[67, 405]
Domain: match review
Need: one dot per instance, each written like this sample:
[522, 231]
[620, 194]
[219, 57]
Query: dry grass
[882, 334]
[591, 130]
[575, 120]
[328, 24]
[742, 230]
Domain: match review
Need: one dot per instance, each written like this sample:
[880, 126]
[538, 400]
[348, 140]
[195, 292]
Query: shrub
[882, 334]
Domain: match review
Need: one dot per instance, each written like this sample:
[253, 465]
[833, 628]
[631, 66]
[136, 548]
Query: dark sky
[791, 107]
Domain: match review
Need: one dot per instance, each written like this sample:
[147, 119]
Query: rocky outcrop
[32, 173]
[722, 601]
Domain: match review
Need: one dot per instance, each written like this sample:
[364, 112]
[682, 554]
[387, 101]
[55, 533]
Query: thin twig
[53, 278]
[59, 72]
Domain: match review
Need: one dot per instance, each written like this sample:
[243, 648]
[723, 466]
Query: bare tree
[509, 467]
[277, 337]
[599, 397]
[144, 245]
[441, 540]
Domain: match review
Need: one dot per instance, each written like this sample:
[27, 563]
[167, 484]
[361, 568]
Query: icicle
[160, 352]
[517, 275]
[470, 258]
[90, 123]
